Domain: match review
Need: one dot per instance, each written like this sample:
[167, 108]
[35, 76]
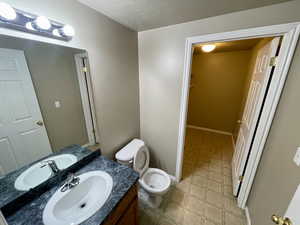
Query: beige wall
[217, 84]
[161, 56]
[112, 50]
[54, 76]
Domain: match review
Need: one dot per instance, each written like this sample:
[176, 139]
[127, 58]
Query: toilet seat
[141, 160]
[153, 180]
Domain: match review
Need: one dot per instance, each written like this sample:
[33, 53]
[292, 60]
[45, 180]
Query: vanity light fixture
[7, 12]
[208, 48]
[29, 26]
[56, 33]
[66, 31]
[42, 23]
[16, 19]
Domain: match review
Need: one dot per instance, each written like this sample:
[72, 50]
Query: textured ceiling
[230, 46]
[147, 14]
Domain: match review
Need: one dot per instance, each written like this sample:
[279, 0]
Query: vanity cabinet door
[126, 211]
[130, 216]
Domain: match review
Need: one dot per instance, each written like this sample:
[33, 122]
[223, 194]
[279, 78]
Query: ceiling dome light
[43, 23]
[68, 31]
[7, 12]
[208, 48]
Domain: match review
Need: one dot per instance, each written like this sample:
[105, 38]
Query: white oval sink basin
[63, 161]
[75, 205]
[36, 175]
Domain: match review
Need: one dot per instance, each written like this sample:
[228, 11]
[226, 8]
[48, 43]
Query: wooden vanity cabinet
[126, 212]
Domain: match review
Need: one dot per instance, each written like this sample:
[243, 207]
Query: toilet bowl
[154, 182]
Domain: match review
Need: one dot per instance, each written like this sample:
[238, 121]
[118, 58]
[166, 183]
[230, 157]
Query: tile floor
[204, 196]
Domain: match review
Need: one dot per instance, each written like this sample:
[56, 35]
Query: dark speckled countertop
[123, 179]
[12, 199]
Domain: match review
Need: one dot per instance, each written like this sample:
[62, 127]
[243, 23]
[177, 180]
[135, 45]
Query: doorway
[86, 92]
[225, 87]
[263, 116]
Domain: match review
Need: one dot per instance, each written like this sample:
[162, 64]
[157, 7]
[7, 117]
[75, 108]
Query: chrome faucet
[71, 182]
[52, 164]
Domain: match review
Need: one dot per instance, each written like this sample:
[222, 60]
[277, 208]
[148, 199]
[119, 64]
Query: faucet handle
[46, 163]
[43, 164]
[71, 181]
[52, 164]
[70, 177]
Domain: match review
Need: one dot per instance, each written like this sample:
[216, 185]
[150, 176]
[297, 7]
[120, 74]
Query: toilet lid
[127, 153]
[141, 160]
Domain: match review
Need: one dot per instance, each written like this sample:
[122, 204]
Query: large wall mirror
[45, 102]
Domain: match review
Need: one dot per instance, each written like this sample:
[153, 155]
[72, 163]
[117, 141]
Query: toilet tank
[126, 154]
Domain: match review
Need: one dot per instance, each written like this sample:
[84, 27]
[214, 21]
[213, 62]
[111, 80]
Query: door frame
[2, 219]
[86, 93]
[290, 33]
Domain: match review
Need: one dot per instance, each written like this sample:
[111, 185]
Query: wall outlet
[57, 104]
[297, 157]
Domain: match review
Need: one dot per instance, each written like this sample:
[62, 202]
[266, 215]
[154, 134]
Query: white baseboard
[247, 216]
[210, 130]
[173, 180]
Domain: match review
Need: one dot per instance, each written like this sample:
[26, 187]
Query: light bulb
[208, 48]
[43, 23]
[7, 12]
[68, 31]
[29, 26]
[56, 33]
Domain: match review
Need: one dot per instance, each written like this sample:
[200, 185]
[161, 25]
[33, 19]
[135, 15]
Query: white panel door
[23, 137]
[292, 211]
[254, 103]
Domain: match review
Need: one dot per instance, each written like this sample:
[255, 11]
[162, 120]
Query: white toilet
[154, 182]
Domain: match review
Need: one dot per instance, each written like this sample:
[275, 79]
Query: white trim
[87, 99]
[290, 33]
[280, 73]
[248, 216]
[34, 37]
[233, 142]
[183, 108]
[91, 95]
[2, 219]
[173, 180]
[210, 130]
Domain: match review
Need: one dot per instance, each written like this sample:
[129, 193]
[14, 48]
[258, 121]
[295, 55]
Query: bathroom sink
[75, 205]
[36, 175]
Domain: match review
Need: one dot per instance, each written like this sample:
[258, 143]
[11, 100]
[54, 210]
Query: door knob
[281, 221]
[40, 123]
[239, 121]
